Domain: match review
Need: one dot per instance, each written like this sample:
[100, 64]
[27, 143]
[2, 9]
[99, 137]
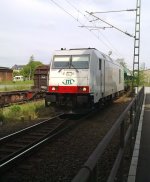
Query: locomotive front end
[69, 80]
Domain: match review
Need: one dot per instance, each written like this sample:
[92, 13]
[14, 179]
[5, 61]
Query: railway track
[19, 97]
[57, 163]
[16, 146]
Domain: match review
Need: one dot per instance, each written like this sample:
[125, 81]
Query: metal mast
[135, 81]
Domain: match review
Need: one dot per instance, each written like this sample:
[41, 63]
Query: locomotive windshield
[61, 62]
[80, 62]
[69, 62]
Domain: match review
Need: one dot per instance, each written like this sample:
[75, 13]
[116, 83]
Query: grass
[17, 82]
[28, 111]
[19, 85]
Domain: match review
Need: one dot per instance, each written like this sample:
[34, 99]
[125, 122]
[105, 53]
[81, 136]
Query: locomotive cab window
[67, 62]
[100, 64]
[61, 62]
[80, 62]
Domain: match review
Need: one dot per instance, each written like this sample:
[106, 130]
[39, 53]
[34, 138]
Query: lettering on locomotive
[68, 81]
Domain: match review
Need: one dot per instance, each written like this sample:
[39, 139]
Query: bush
[33, 110]
[15, 109]
[14, 112]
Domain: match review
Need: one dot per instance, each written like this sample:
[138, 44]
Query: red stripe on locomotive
[68, 89]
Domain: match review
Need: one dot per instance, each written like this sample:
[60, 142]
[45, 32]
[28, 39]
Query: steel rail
[20, 132]
[6, 165]
[12, 159]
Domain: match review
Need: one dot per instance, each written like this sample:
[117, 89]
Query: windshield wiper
[60, 69]
[75, 68]
[65, 67]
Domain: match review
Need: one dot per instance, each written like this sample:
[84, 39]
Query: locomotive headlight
[84, 89]
[53, 88]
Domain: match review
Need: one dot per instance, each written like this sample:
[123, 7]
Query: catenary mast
[136, 56]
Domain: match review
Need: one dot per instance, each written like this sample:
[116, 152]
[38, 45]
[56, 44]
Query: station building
[6, 74]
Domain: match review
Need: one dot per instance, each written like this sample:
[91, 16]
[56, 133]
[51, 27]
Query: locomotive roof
[75, 51]
[84, 51]
[82, 48]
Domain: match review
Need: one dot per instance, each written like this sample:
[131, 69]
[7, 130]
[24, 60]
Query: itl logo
[68, 81]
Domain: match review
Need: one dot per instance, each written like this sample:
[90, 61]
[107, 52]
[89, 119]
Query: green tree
[16, 73]
[29, 69]
[141, 78]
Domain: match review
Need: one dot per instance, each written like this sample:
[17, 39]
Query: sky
[39, 27]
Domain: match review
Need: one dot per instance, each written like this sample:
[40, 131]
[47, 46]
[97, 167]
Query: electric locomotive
[82, 79]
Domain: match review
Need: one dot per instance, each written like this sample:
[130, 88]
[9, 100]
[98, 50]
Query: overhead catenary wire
[111, 26]
[84, 15]
[97, 18]
[76, 19]
[96, 27]
[65, 10]
[93, 28]
[113, 11]
[108, 44]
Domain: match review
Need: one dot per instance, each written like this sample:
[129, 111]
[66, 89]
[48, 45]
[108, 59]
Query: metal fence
[88, 173]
